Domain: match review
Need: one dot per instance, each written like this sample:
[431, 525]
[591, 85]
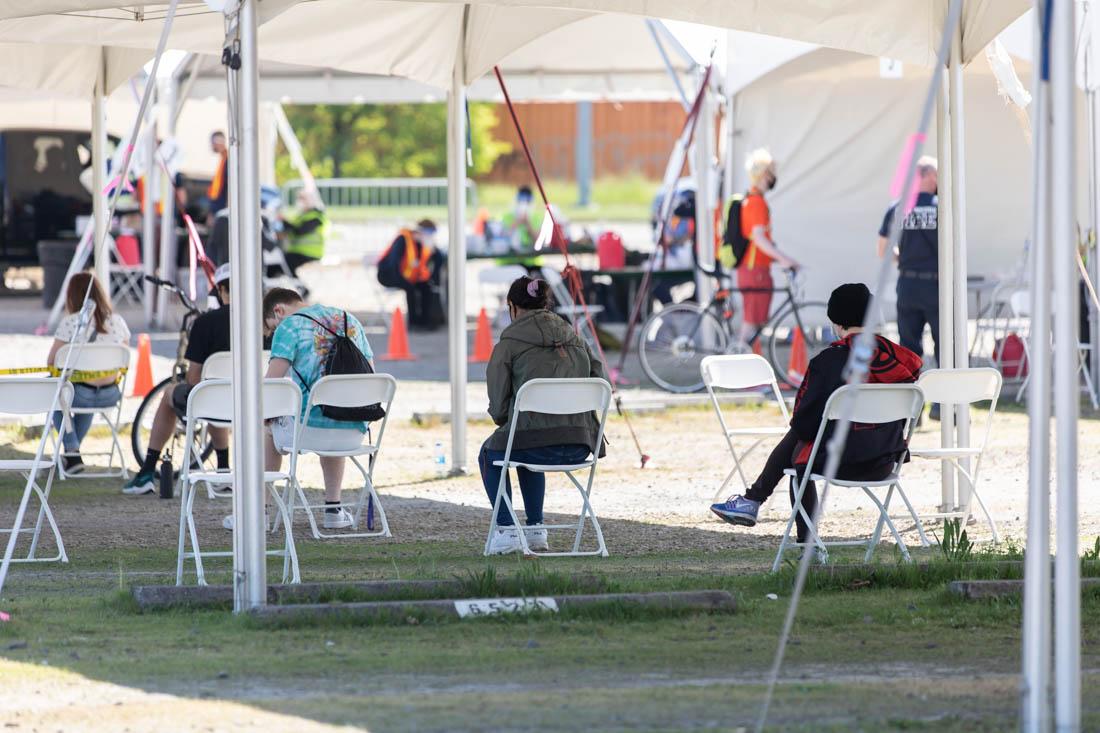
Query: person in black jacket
[870, 451]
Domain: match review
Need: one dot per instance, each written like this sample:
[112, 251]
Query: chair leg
[988, 516]
[200, 576]
[785, 540]
[290, 552]
[884, 509]
[45, 512]
[182, 534]
[916, 519]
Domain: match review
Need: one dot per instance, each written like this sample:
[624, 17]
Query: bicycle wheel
[674, 342]
[808, 320]
[143, 423]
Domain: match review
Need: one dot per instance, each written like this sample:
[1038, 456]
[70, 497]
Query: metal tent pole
[704, 198]
[1093, 251]
[456, 249]
[1067, 391]
[99, 176]
[960, 324]
[249, 560]
[1036, 632]
[946, 223]
[167, 92]
[149, 213]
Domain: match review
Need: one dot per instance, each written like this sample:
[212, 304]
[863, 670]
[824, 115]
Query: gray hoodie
[539, 344]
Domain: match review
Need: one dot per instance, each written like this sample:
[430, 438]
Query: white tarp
[418, 40]
[836, 126]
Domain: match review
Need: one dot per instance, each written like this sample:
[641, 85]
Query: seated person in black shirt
[209, 335]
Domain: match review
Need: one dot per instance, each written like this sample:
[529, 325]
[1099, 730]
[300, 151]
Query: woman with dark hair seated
[538, 344]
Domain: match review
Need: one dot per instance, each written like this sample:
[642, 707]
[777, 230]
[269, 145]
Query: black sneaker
[72, 463]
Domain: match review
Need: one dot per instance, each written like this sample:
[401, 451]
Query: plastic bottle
[439, 458]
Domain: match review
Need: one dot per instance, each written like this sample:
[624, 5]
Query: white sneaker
[504, 542]
[229, 522]
[338, 520]
[536, 538]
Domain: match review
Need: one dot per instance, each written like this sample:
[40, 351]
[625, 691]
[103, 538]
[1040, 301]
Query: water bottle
[440, 460]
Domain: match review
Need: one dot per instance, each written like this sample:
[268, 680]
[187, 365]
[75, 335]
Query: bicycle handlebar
[172, 287]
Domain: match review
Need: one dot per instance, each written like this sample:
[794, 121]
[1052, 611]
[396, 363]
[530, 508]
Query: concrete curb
[707, 600]
[160, 597]
[978, 590]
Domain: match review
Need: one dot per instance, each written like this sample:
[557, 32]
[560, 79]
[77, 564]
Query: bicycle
[143, 419]
[674, 340]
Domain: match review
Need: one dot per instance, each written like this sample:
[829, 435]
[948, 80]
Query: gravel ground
[659, 509]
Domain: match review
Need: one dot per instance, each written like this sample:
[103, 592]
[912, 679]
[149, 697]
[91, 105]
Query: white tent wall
[835, 127]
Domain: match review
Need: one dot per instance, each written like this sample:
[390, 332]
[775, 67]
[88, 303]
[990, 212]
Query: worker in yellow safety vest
[412, 263]
[307, 231]
[217, 193]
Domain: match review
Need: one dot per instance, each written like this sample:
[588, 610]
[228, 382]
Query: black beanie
[848, 304]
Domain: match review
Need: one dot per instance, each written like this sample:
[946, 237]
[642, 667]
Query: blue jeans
[532, 485]
[85, 395]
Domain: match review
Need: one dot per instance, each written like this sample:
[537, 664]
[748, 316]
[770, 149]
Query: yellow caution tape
[75, 376]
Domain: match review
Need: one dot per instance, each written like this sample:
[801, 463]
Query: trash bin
[54, 255]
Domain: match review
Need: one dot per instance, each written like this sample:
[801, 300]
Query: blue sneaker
[737, 510]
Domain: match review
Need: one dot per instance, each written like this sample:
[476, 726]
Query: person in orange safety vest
[218, 190]
[412, 263]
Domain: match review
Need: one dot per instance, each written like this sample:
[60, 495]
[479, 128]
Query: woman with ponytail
[538, 344]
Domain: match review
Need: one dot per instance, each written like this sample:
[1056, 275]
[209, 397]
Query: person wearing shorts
[209, 334]
[754, 277]
[300, 343]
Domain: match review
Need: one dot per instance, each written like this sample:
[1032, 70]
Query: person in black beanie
[869, 454]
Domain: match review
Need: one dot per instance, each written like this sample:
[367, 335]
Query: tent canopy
[419, 40]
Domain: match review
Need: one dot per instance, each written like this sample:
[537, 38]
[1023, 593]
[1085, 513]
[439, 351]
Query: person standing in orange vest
[412, 263]
[218, 190]
[754, 276]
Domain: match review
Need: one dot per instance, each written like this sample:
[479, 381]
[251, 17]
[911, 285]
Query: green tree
[385, 141]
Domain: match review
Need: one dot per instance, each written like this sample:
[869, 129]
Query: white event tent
[451, 44]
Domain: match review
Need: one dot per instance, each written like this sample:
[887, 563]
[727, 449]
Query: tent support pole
[959, 269]
[149, 213]
[1093, 252]
[99, 176]
[704, 198]
[946, 221]
[168, 91]
[1036, 632]
[456, 251]
[1067, 387]
[583, 156]
[249, 559]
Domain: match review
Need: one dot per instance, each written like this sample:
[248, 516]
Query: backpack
[345, 358]
[734, 242]
[1009, 356]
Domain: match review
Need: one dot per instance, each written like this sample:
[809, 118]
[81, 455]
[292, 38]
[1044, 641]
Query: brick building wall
[628, 139]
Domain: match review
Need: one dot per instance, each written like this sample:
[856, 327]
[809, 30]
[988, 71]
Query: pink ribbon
[897, 186]
[5, 616]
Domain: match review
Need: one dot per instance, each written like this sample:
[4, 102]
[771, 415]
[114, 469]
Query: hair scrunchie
[533, 288]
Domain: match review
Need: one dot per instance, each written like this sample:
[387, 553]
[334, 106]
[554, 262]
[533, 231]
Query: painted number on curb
[495, 606]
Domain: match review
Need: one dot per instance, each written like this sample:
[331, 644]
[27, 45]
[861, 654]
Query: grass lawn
[886, 652]
[617, 199]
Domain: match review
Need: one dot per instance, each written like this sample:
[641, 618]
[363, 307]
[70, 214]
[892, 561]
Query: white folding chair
[99, 358]
[35, 396]
[742, 371]
[1021, 308]
[212, 401]
[219, 365]
[496, 280]
[556, 397]
[874, 404]
[348, 390]
[962, 388]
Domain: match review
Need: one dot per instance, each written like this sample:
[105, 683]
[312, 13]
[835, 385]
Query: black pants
[295, 260]
[425, 310]
[782, 457]
[918, 304]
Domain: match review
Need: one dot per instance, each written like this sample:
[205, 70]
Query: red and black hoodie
[868, 446]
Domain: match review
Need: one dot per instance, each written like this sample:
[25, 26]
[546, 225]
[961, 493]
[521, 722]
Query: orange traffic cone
[800, 360]
[483, 339]
[143, 379]
[398, 347]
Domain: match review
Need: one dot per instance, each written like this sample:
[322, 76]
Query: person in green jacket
[307, 232]
[538, 344]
